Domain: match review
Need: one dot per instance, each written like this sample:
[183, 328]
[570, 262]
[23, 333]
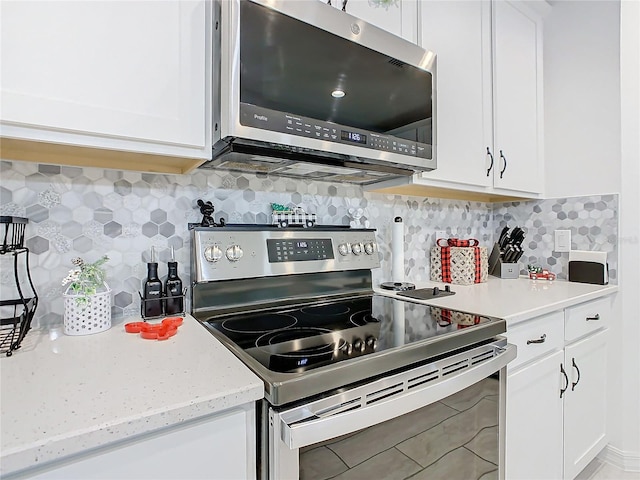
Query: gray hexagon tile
[593, 222]
[86, 212]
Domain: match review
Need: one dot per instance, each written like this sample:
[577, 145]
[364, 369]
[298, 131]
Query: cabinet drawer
[536, 337]
[586, 318]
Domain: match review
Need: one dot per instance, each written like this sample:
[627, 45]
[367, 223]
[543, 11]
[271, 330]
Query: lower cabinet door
[218, 447]
[534, 421]
[585, 402]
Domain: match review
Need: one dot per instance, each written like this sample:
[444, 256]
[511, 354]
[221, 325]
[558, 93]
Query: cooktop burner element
[362, 318]
[298, 348]
[263, 324]
[289, 335]
[330, 310]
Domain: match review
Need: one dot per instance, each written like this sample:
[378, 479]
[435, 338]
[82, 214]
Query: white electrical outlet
[562, 240]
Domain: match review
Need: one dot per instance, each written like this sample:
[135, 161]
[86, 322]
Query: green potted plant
[87, 299]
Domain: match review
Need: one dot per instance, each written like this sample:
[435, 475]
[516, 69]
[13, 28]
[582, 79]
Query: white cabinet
[489, 95]
[534, 408]
[534, 421]
[460, 35]
[585, 364]
[399, 18]
[129, 76]
[517, 93]
[556, 392]
[221, 447]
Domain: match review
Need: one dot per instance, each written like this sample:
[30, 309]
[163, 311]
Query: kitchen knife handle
[540, 340]
[505, 163]
[491, 157]
[595, 317]
[573, 384]
[566, 380]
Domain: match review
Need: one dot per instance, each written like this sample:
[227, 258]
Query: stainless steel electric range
[297, 306]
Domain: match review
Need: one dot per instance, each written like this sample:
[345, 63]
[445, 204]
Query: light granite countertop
[514, 300]
[63, 395]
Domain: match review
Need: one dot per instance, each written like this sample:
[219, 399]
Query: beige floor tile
[319, 464]
[367, 443]
[460, 464]
[388, 465]
[485, 444]
[452, 433]
[493, 475]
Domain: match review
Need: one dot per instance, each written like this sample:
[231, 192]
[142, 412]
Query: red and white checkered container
[460, 262]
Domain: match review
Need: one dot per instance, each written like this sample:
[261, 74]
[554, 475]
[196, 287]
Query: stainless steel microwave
[303, 89]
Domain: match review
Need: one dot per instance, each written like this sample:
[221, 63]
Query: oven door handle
[306, 425]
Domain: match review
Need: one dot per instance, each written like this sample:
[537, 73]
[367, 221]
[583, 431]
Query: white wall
[592, 145]
[625, 408]
[582, 98]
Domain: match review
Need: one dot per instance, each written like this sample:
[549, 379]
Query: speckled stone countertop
[514, 300]
[62, 395]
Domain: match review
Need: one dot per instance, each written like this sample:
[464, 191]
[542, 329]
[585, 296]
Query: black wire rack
[16, 312]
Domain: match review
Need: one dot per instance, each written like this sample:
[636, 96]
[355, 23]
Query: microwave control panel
[267, 119]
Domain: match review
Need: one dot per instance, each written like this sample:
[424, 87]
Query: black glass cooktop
[306, 337]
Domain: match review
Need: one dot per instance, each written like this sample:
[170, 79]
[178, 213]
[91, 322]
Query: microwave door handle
[296, 432]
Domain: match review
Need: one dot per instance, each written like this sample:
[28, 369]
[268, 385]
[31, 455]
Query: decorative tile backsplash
[90, 212]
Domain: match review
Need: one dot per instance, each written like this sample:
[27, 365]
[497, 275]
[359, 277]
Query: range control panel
[234, 252]
[296, 250]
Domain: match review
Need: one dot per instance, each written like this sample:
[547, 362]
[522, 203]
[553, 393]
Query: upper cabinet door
[518, 99]
[116, 71]
[460, 34]
[398, 17]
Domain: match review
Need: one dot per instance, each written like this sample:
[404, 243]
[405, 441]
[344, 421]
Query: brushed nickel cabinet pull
[540, 340]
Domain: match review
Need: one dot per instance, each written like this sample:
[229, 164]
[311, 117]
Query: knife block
[501, 269]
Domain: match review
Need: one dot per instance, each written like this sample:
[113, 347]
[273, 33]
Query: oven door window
[454, 438]
[442, 419]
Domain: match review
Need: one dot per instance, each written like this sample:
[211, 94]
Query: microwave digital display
[353, 137]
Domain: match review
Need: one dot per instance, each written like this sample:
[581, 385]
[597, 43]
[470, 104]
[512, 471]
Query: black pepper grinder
[174, 301]
[152, 289]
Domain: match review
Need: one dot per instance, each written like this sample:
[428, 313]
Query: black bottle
[174, 301]
[152, 302]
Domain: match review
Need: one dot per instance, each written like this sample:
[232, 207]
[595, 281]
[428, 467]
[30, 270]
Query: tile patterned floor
[455, 438]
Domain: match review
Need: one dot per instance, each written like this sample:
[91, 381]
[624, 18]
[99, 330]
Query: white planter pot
[86, 318]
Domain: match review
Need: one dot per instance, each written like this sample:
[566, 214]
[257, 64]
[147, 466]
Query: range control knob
[212, 253]
[347, 348]
[371, 342]
[358, 345]
[234, 253]
[369, 249]
[344, 249]
[356, 248]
